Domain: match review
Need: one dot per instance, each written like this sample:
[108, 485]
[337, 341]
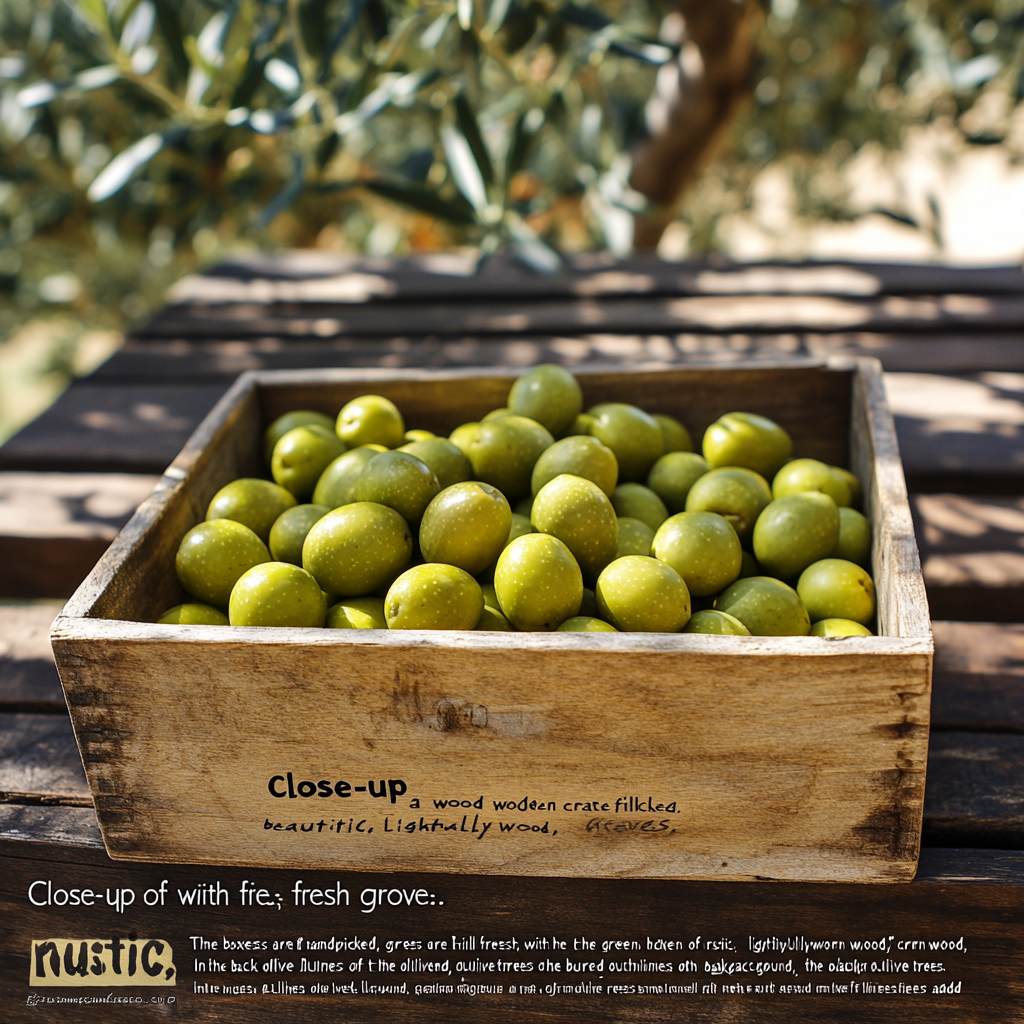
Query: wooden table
[952, 342]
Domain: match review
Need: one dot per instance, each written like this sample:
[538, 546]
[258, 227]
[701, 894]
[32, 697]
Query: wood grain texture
[317, 316]
[975, 794]
[55, 526]
[949, 901]
[269, 276]
[979, 677]
[852, 796]
[972, 555]
[100, 428]
[39, 761]
[28, 676]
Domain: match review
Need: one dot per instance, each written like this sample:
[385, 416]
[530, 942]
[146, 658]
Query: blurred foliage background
[140, 139]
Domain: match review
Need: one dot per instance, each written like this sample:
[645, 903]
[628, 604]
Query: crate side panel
[811, 402]
[672, 765]
[145, 583]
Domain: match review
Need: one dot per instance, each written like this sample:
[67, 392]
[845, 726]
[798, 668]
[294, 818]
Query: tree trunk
[694, 102]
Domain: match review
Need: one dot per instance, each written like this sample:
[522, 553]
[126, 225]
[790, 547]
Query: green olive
[412, 436]
[252, 502]
[839, 627]
[854, 542]
[538, 583]
[635, 537]
[585, 624]
[794, 531]
[581, 425]
[193, 614]
[766, 606]
[434, 596]
[579, 514]
[450, 466]
[853, 482]
[490, 597]
[466, 525]
[718, 623]
[548, 394]
[802, 475]
[492, 621]
[745, 439]
[288, 533]
[633, 436]
[675, 435]
[302, 455]
[740, 495]
[672, 476]
[400, 481]
[289, 421]
[637, 594]
[837, 589]
[357, 548]
[496, 414]
[749, 567]
[371, 419]
[357, 613]
[702, 547]
[520, 527]
[504, 452]
[277, 594]
[337, 483]
[213, 555]
[634, 501]
[580, 456]
[462, 437]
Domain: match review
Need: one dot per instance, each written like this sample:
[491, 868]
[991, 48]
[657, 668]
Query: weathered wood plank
[55, 526]
[269, 277]
[39, 761]
[105, 428]
[28, 676]
[716, 313]
[978, 681]
[975, 791]
[973, 556]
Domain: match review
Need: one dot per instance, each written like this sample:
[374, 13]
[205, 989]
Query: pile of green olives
[539, 517]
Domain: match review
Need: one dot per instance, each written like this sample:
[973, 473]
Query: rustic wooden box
[681, 756]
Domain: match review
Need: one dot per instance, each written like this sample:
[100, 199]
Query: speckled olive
[766, 606]
[288, 533]
[371, 419]
[715, 622]
[739, 495]
[579, 514]
[637, 594]
[633, 436]
[356, 548]
[400, 481]
[748, 440]
[702, 547]
[837, 589]
[213, 555]
[466, 525]
[289, 421]
[434, 596]
[357, 613]
[794, 531]
[580, 456]
[538, 583]
[672, 476]
[277, 594]
[504, 452]
[337, 483]
[802, 475]
[254, 503]
[449, 464]
[548, 394]
[193, 614]
[586, 624]
[302, 455]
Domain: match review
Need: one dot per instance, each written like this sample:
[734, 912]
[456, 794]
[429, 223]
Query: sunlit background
[143, 139]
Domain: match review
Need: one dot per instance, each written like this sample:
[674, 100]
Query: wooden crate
[611, 755]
